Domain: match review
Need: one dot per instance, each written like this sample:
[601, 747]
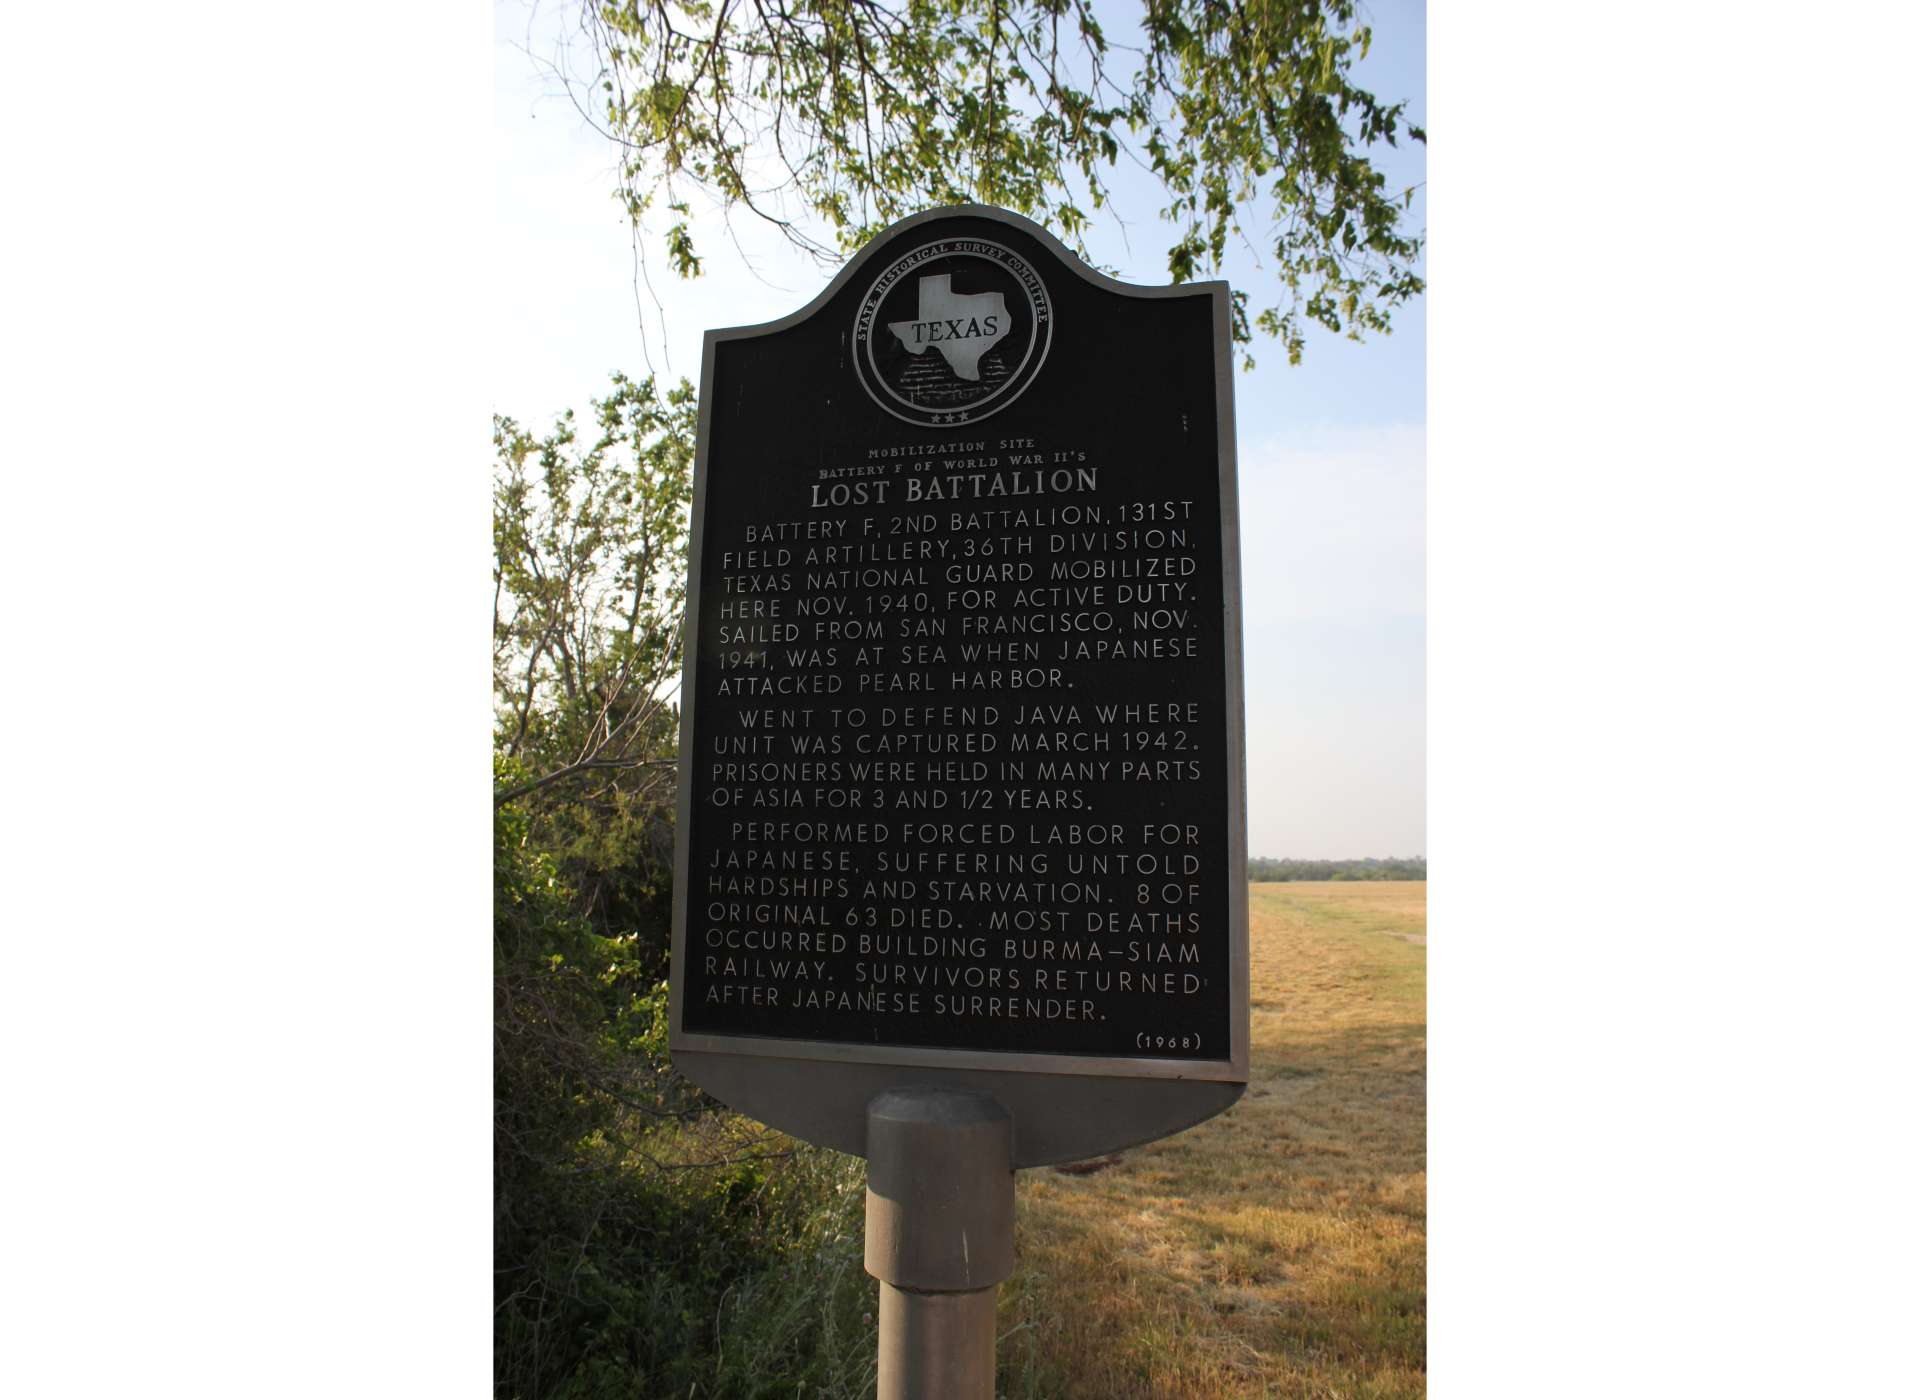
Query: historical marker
[961, 792]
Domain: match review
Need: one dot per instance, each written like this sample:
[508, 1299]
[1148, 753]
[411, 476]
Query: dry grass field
[1279, 1249]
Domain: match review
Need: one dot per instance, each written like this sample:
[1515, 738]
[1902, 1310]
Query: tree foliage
[589, 577]
[645, 1242]
[858, 112]
[1371, 868]
[589, 594]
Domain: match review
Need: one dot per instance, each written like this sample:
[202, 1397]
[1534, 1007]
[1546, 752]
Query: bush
[646, 1240]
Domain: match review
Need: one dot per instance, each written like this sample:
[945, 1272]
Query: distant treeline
[1392, 868]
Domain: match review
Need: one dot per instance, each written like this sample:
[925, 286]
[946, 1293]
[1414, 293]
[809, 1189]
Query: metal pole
[939, 1238]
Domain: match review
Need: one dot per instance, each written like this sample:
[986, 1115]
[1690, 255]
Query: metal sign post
[960, 875]
[939, 1238]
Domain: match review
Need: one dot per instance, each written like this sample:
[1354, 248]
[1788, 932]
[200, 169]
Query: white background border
[1672, 703]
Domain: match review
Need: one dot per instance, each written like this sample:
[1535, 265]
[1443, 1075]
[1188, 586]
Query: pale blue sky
[1332, 452]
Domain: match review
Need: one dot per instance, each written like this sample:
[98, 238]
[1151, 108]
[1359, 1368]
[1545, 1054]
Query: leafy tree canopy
[589, 580]
[859, 112]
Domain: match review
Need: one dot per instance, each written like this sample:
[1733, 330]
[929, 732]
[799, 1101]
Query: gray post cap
[939, 1190]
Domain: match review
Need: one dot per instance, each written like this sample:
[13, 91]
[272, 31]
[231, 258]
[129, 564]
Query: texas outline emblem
[962, 326]
[912, 305]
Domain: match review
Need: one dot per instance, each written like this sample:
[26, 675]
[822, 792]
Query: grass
[1279, 1249]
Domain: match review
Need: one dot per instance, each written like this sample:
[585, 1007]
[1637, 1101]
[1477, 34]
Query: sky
[1332, 452]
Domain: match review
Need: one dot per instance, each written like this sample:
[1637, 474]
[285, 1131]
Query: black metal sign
[961, 777]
